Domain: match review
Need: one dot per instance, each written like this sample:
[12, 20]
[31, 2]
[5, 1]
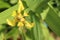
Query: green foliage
[39, 11]
[7, 14]
[4, 5]
[53, 20]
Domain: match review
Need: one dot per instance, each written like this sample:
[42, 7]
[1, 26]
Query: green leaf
[45, 31]
[4, 5]
[36, 5]
[36, 32]
[13, 33]
[53, 20]
[1, 36]
[7, 14]
[44, 13]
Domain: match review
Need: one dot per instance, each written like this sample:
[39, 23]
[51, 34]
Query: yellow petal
[20, 15]
[22, 20]
[32, 24]
[11, 23]
[14, 14]
[26, 14]
[20, 24]
[29, 25]
[21, 7]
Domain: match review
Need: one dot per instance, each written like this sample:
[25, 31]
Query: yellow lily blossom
[19, 18]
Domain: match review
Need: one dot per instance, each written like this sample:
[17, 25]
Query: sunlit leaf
[7, 14]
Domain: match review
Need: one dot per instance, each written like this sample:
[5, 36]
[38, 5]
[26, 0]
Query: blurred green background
[5, 4]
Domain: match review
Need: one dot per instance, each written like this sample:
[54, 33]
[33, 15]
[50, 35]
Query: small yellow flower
[11, 23]
[20, 24]
[19, 18]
